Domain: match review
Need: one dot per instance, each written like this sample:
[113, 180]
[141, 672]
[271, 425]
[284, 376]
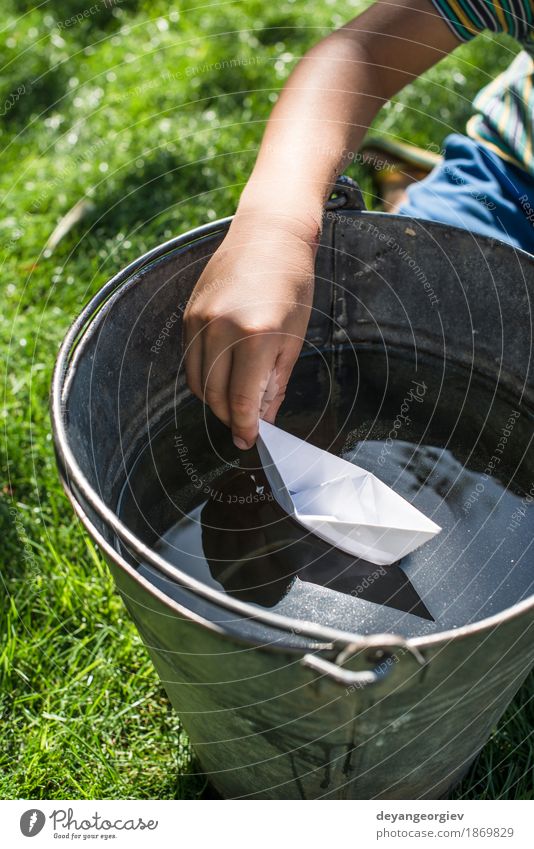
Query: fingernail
[240, 443]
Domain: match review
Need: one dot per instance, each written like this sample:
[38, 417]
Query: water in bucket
[436, 433]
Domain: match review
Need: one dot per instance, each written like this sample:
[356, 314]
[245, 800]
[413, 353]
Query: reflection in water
[255, 552]
[209, 512]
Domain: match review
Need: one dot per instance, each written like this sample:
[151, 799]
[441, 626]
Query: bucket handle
[345, 194]
[343, 676]
[384, 661]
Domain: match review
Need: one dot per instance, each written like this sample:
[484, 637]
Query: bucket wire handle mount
[345, 194]
[346, 677]
[384, 659]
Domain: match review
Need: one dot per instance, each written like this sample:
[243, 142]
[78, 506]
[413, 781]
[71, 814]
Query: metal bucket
[276, 706]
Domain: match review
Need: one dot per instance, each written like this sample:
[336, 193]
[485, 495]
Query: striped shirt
[505, 108]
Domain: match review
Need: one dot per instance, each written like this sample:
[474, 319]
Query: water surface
[442, 438]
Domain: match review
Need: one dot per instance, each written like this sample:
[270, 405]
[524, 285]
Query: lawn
[138, 110]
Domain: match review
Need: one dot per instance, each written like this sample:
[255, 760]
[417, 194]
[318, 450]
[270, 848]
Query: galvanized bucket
[275, 706]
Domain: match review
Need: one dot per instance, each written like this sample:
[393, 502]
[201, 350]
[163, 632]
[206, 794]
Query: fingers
[253, 361]
[241, 378]
[216, 367]
[192, 353]
[230, 372]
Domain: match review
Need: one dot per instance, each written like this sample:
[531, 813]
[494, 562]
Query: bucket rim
[70, 472]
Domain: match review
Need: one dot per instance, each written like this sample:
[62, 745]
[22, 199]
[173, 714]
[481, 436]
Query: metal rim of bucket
[70, 471]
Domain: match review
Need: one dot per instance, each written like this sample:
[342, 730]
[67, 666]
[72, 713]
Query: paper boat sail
[343, 504]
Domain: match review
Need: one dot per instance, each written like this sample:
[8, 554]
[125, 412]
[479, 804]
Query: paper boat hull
[346, 506]
[380, 546]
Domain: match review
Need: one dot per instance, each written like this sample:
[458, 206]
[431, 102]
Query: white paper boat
[343, 504]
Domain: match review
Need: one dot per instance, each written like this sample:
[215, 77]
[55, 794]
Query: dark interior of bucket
[417, 370]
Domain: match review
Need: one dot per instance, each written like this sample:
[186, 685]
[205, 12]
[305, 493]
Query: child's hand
[247, 318]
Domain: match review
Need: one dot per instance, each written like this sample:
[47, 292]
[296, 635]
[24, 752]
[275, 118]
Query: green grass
[112, 111]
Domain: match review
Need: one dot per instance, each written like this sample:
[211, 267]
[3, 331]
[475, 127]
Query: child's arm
[248, 315]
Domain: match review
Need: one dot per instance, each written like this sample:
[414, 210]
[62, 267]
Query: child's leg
[475, 189]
